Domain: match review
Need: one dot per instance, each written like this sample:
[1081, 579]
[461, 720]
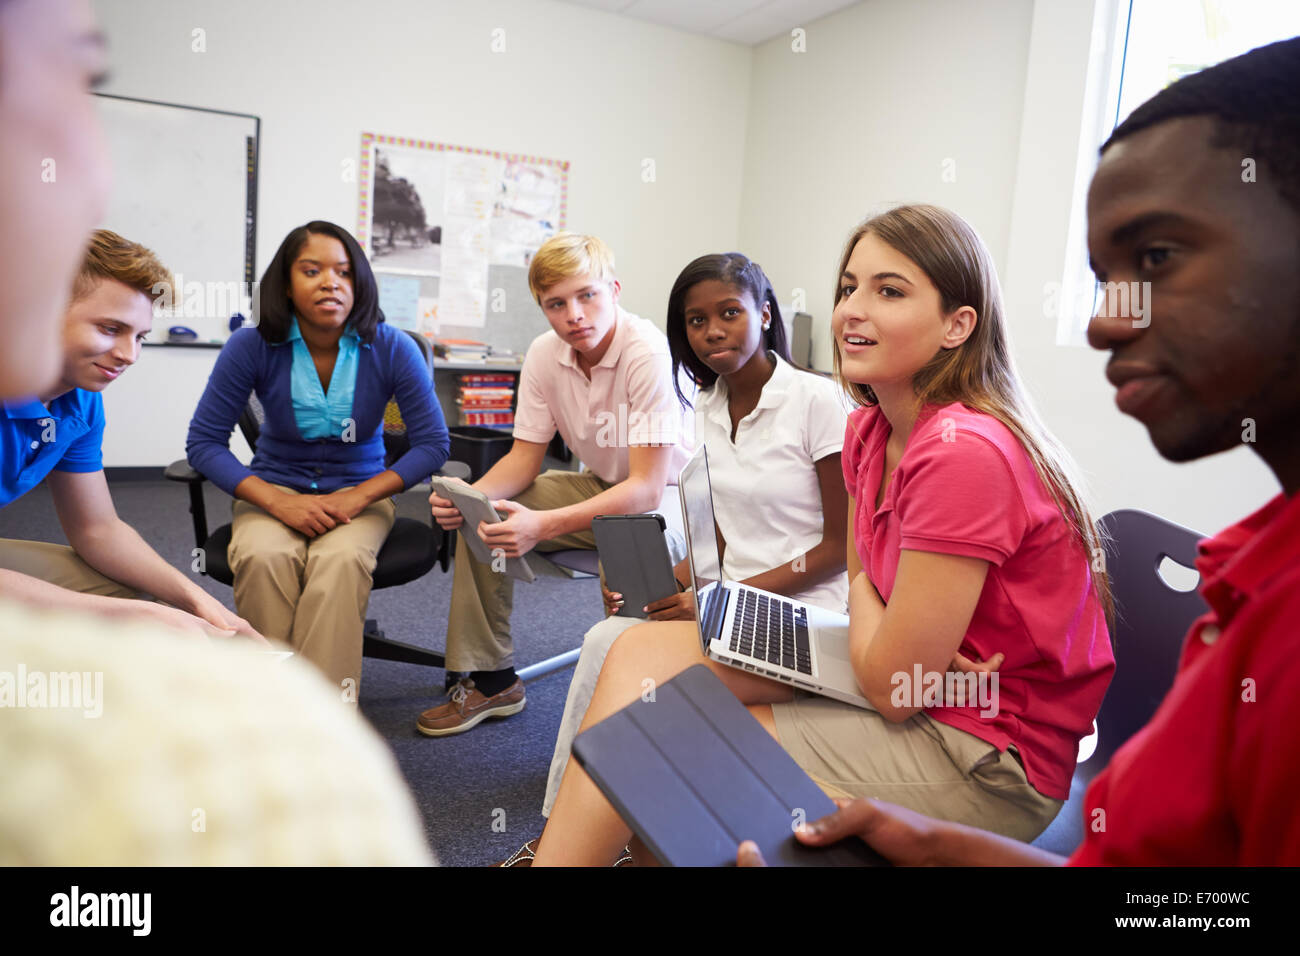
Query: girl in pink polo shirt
[971, 539]
[977, 629]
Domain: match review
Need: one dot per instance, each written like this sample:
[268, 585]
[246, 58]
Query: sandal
[523, 856]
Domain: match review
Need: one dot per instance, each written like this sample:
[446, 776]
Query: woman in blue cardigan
[314, 506]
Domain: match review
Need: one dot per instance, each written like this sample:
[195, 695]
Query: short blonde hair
[569, 254]
[109, 256]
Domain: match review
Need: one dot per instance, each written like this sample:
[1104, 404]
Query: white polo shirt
[766, 496]
[629, 399]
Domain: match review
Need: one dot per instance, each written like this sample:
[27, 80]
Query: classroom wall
[605, 93]
[601, 91]
[866, 117]
[893, 101]
[771, 151]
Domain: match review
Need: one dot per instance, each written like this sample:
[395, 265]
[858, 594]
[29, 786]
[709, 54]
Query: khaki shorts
[920, 764]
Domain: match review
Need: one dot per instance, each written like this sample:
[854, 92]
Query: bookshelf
[446, 381]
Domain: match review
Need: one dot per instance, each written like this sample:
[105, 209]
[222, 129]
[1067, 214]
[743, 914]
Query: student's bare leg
[641, 855]
[583, 829]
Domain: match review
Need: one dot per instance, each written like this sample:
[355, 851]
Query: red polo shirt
[1214, 778]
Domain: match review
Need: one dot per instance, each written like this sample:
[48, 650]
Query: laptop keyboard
[771, 630]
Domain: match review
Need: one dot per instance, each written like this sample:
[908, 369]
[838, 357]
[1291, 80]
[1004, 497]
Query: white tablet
[475, 507]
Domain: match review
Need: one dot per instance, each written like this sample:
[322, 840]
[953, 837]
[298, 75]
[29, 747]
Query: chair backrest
[396, 443]
[426, 350]
[1151, 620]
[250, 421]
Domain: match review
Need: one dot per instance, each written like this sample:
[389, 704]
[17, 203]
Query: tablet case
[475, 507]
[694, 775]
[635, 560]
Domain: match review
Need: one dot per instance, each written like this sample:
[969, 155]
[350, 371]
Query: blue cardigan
[391, 366]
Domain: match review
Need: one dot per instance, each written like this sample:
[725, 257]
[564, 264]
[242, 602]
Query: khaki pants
[920, 764]
[59, 564]
[478, 628]
[310, 593]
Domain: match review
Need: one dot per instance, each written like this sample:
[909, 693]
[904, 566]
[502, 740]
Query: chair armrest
[454, 469]
[181, 471]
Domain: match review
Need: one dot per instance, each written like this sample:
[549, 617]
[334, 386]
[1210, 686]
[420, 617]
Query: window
[1139, 47]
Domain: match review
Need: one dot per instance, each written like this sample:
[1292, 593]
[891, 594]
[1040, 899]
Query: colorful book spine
[487, 400]
[492, 419]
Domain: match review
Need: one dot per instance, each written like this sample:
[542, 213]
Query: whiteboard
[185, 185]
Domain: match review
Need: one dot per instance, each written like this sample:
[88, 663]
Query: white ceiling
[741, 21]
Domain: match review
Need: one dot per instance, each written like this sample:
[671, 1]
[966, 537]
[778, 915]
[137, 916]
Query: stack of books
[486, 400]
[461, 350]
[504, 357]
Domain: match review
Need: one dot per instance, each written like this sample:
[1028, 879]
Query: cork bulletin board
[450, 231]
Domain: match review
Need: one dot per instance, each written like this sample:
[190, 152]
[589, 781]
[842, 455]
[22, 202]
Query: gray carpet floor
[480, 793]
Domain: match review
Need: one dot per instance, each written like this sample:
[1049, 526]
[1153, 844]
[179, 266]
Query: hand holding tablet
[476, 509]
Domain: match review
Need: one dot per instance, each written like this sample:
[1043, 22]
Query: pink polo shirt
[966, 486]
[1214, 778]
[629, 399]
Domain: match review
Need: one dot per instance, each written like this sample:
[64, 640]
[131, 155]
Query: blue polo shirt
[35, 440]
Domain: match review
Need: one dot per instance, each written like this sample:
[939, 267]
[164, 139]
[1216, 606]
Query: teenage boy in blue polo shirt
[56, 438]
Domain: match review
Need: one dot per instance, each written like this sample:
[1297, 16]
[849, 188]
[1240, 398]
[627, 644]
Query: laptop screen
[701, 532]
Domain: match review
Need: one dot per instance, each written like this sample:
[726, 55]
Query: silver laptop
[758, 631]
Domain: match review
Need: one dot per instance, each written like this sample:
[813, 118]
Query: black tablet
[694, 774]
[634, 557]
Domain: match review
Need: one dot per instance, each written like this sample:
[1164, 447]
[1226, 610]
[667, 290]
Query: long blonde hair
[979, 373]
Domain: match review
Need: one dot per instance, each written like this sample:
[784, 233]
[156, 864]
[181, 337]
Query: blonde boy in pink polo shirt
[602, 378]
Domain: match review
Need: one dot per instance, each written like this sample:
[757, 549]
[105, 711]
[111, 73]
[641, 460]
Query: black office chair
[410, 551]
[1151, 620]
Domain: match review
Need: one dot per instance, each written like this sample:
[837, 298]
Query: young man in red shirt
[1212, 779]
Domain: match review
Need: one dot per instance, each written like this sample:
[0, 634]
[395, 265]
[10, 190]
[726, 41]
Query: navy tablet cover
[694, 774]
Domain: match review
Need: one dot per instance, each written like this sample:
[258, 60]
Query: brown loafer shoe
[467, 707]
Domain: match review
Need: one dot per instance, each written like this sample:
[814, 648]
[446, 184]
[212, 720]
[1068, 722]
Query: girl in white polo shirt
[774, 435]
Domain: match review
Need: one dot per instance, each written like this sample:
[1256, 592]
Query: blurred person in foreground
[121, 744]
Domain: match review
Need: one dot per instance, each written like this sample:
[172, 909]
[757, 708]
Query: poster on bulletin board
[434, 210]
